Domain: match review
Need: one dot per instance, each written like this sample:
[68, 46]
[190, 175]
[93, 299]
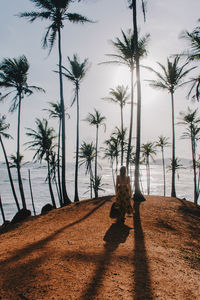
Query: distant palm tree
[56, 112]
[148, 151]
[109, 153]
[191, 120]
[120, 96]
[162, 143]
[87, 154]
[42, 143]
[112, 152]
[4, 127]
[97, 120]
[76, 73]
[126, 55]
[171, 79]
[193, 54]
[56, 12]
[13, 76]
[177, 164]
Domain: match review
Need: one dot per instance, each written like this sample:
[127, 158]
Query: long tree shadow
[39, 244]
[142, 275]
[116, 234]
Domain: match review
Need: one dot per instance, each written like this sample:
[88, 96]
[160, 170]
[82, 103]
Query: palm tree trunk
[131, 124]
[9, 175]
[76, 198]
[122, 131]
[193, 144]
[148, 175]
[112, 162]
[173, 189]
[163, 163]
[58, 166]
[29, 179]
[18, 156]
[66, 199]
[50, 186]
[2, 211]
[138, 194]
[91, 179]
[96, 154]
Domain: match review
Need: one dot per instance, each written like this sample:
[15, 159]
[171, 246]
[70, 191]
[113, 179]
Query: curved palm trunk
[193, 144]
[95, 172]
[2, 211]
[9, 175]
[112, 162]
[91, 179]
[31, 191]
[50, 186]
[58, 167]
[122, 131]
[18, 156]
[138, 194]
[131, 125]
[163, 164]
[66, 199]
[76, 198]
[173, 189]
[148, 176]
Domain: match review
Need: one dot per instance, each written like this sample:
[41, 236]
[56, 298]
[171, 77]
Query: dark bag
[114, 211]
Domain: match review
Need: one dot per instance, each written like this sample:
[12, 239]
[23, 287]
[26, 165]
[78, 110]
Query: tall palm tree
[76, 73]
[13, 76]
[133, 5]
[126, 55]
[162, 143]
[57, 13]
[191, 120]
[56, 112]
[97, 120]
[87, 154]
[171, 78]
[42, 144]
[120, 96]
[4, 127]
[148, 151]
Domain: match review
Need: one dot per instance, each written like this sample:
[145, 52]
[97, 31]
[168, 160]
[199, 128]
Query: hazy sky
[165, 21]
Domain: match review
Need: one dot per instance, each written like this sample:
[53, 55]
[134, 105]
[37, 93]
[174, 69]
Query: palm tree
[42, 143]
[13, 76]
[177, 164]
[56, 12]
[193, 54]
[56, 112]
[126, 55]
[3, 127]
[162, 143]
[97, 120]
[112, 152]
[87, 154]
[191, 120]
[120, 96]
[109, 153]
[148, 151]
[171, 79]
[75, 74]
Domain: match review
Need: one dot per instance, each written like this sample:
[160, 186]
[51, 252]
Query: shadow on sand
[115, 235]
[142, 276]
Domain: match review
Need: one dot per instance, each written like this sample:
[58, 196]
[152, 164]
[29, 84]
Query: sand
[78, 252]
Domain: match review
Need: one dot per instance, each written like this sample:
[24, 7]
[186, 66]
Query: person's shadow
[115, 235]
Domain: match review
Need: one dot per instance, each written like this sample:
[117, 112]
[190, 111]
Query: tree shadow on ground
[115, 235]
[142, 275]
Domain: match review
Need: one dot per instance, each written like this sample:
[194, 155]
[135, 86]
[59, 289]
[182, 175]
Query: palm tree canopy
[191, 120]
[56, 11]
[3, 127]
[125, 49]
[13, 75]
[96, 119]
[55, 111]
[172, 75]
[42, 139]
[87, 154]
[76, 71]
[118, 95]
[148, 150]
[194, 40]
[162, 141]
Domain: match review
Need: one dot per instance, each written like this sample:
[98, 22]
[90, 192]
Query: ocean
[184, 185]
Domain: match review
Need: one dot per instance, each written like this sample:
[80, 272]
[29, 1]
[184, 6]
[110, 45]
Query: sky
[165, 20]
